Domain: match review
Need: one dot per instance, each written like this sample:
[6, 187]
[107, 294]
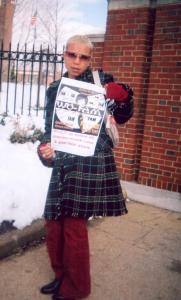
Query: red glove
[116, 91]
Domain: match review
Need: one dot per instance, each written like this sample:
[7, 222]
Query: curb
[18, 239]
[13, 241]
[152, 196]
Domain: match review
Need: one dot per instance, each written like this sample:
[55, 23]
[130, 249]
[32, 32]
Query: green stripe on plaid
[85, 186]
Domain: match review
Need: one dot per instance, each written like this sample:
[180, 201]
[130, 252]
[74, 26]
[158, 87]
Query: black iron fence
[24, 77]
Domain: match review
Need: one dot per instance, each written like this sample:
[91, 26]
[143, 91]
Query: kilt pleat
[84, 187]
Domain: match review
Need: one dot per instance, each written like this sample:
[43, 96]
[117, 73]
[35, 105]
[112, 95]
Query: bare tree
[49, 28]
[22, 22]
[54, 17]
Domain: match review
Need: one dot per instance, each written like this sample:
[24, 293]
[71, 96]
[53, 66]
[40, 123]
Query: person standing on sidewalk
[80, 187]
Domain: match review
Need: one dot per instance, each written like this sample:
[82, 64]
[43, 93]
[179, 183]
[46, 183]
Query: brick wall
[142, 48]
[98, 51]
[161, 151]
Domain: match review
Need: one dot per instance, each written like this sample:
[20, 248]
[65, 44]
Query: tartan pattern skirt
[84, 187]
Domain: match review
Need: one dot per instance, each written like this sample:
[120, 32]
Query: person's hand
[46, 151]
[116, 91]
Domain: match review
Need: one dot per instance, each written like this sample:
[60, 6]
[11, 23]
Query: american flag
[33, 19]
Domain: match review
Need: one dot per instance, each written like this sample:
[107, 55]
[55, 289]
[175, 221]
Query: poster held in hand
[78, 115]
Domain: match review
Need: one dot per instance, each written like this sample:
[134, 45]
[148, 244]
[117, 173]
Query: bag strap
[96, 78]
[108, 119]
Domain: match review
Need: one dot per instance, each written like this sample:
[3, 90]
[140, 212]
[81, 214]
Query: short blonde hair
[82, 39]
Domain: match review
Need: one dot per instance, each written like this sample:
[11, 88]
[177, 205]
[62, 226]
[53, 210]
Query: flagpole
[35, 33]
[33, 22]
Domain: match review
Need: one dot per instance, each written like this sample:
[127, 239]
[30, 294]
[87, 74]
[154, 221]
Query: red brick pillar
[6, 21]
[127, 54]
[143, 48]
[160, 164]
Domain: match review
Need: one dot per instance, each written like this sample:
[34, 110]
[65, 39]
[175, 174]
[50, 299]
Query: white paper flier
[78, 115]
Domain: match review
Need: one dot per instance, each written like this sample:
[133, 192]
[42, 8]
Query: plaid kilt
[84, 187]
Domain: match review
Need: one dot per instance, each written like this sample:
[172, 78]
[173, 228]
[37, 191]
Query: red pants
[68, 248]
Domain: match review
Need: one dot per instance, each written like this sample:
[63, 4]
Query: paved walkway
[134, 257]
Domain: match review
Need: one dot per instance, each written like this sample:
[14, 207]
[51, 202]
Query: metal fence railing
[24, 77]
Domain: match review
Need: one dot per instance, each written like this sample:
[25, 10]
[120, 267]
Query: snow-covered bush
[22, 136]
[23, 130]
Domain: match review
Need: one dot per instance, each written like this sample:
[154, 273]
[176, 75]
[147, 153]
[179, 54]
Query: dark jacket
[122, 111]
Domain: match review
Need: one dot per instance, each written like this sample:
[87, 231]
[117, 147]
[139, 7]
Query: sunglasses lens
[84, 57]
[73, 55]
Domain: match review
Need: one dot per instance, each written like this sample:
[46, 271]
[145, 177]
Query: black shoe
[60, 297]
[51, 287]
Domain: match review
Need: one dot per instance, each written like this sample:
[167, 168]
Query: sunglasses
[73, 55]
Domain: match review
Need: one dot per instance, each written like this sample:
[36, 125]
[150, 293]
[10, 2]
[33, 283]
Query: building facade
[142, 47]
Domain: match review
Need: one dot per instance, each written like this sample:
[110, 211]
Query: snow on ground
[23, 179]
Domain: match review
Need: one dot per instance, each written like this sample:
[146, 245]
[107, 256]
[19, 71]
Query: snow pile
[24, 180]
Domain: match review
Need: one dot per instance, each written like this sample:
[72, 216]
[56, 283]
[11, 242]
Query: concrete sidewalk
[134, 257]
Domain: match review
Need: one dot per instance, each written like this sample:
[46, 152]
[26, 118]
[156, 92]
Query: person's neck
[71, 77]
